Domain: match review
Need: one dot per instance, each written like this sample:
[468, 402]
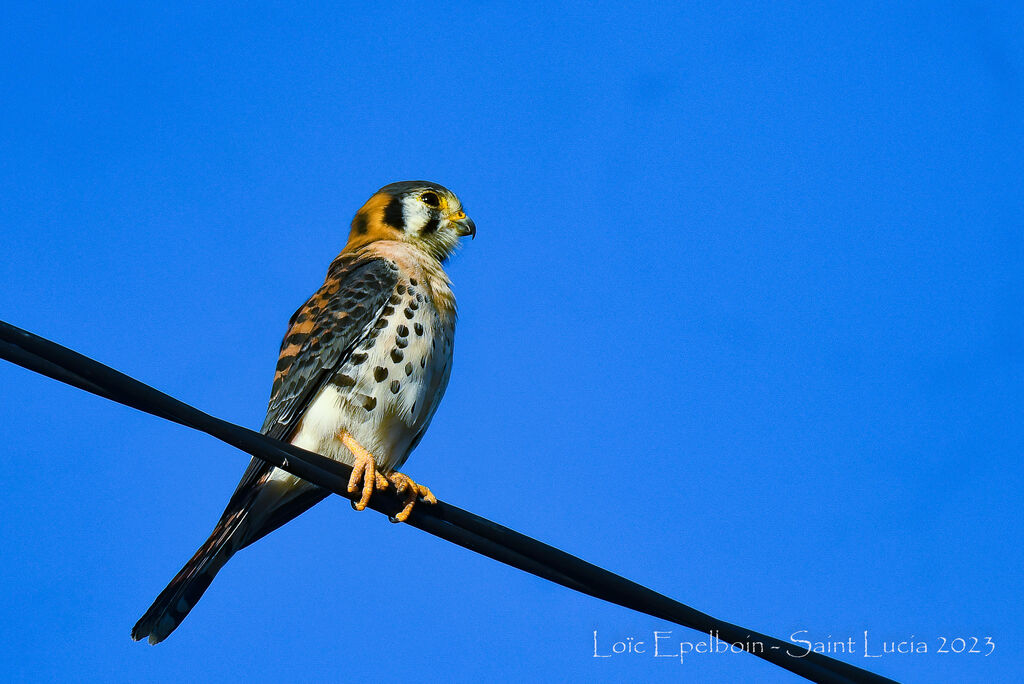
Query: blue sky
[742, 322]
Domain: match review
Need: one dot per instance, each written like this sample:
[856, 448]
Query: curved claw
[364, 468]
[412, 491]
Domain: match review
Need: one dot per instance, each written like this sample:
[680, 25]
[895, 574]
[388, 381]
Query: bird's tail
[259, 506]
[187, 587]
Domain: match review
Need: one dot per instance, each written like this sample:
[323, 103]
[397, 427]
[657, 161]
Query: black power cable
[442, 520]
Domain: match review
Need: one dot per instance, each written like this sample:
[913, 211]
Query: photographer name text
[661, 644]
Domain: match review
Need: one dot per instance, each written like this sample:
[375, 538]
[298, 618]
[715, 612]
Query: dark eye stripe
[431, 226]
[394, 216]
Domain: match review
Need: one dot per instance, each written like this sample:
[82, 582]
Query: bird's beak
[463, 224]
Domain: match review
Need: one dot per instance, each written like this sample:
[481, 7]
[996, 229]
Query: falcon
[362, 368]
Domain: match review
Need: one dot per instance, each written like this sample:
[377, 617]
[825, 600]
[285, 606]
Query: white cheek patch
[417, 215]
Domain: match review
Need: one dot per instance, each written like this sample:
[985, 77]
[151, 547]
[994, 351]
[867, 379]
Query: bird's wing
[321, 335]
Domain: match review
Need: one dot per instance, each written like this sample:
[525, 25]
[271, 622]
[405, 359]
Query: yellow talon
[364, 468]
[405, 485]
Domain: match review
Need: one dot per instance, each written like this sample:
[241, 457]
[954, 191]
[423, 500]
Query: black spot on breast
[419, 298]
[403, 331]
[381, 323]
[343, 380]
[397, 355]
[379, 374]
[408, 369]
[395, 386]
[400, 289]
[401, 342]
[388, 310]
[359, 224]
[413, 281]
[408, 314]
[370, 403]
[394, 299]
[393, 214]
[414, 305]
[418, 327]
[431, 226]
[357, 359]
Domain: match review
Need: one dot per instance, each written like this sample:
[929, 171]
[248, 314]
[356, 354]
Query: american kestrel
[361, 371]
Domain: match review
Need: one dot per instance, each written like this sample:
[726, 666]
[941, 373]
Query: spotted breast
[387, 391]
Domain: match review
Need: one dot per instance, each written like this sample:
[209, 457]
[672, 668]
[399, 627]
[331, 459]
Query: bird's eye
[431, 199]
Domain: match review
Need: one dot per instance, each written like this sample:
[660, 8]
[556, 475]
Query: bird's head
[422, 213]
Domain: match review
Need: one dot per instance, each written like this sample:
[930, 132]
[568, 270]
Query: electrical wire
[441, 520]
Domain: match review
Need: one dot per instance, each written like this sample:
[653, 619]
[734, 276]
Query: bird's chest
[398, 368]
[386, 391]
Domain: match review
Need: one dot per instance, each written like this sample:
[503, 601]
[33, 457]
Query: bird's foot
[404, 485]
[364, 468]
